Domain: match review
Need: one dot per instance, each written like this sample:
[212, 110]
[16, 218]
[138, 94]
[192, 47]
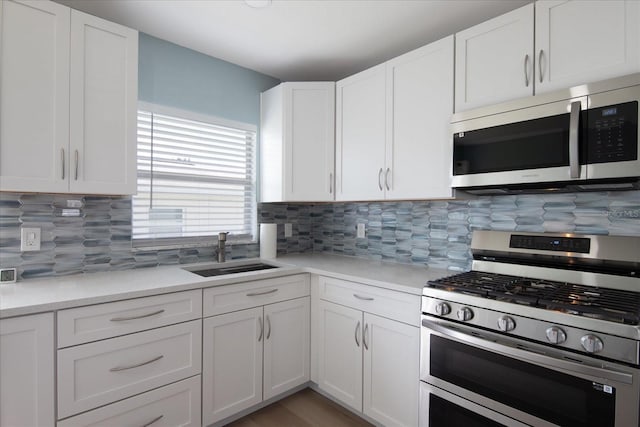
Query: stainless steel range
[544, 331]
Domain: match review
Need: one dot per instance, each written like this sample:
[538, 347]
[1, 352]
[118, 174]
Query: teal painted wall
[178, 77]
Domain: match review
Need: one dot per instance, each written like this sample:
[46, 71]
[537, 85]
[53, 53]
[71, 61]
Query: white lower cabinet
[232, 363]
[27, 391]
[370, 363]
[102, 372]
[340, 353]
[391, 371]
[253, 355]
[177, 404]
[286, 346]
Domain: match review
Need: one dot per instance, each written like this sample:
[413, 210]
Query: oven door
[445, 409]
[530, 383]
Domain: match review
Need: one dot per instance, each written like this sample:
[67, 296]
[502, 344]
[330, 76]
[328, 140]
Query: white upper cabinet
[576, 42]
[34, 96]
[360, 135]
[68, 101]
[419, 109]
[297, 142]
[392, 127]
[104, 95]
[583, 41]
[494, 60]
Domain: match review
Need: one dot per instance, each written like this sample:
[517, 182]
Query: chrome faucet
[222, 240]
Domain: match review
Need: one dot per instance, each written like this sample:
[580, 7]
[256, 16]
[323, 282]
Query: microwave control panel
[613, 133]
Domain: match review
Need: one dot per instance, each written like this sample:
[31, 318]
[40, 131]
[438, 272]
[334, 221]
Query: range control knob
[465, 314]
[591, 343]
[506, 323]
[442, 309]
[556, 335]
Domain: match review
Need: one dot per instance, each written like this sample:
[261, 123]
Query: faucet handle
[222, 236]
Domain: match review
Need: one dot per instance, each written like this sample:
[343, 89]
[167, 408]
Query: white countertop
[55, 293]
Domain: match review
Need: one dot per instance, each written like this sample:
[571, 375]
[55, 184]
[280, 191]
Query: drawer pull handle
[255, 294]
[153, 421]
[142, 316]
[363, 298]
[124, 368]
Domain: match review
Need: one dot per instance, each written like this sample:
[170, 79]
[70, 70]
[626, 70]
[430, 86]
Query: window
[196, 178]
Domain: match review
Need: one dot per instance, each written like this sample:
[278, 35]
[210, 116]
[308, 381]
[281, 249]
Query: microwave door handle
[528, 356]
[574, 131]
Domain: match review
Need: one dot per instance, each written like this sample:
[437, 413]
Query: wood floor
[306, 408]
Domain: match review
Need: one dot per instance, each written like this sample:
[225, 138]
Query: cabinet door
[584, 41]
[34, 100]
[103, 102]
[494, 60]
[419, 109]
[26, 370]
[309, 129]
[232, 363]
[286, 346]
[360, 135]
[340, 353]
[391, 371]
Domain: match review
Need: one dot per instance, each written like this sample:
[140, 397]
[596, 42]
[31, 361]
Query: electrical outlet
[360, 231]
[29, 239]
[288, 230]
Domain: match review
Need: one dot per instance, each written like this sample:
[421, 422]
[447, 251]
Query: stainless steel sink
[232, 269]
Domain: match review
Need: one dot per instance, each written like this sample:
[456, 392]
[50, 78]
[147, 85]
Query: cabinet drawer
[95, 374]
[371, 299]
[225, 299]
[177, 404]
[97, 322]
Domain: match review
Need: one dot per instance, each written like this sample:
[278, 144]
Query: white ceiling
[299, 39]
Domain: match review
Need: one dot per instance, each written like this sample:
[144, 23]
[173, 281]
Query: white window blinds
[195, 179]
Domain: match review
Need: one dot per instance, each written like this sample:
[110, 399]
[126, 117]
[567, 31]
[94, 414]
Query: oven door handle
[529, 355]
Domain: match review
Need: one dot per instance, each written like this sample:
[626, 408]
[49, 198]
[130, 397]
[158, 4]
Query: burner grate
[601, 303]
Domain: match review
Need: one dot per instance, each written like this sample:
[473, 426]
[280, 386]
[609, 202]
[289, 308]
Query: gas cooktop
[612, 305]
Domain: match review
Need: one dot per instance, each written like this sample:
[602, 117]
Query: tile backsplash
[434, 233]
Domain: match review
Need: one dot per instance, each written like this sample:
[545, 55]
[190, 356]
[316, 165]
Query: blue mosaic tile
[430, 233]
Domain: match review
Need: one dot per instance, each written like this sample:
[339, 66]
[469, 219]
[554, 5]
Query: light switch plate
[288, 230]
[29, 239]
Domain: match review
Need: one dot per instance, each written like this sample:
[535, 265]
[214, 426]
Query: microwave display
[613, 133]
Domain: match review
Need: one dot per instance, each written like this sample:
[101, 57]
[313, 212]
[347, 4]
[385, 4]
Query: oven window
[547, 394]
[443, 413]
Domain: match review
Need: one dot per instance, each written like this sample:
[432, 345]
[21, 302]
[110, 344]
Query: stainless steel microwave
[580, 138]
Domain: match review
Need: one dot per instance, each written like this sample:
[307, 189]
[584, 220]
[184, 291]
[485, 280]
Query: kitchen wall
[178, 77]
[433, 233]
